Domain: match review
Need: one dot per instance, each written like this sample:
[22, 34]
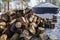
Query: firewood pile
[24, 25]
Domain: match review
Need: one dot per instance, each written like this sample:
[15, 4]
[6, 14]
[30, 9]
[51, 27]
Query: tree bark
[8, 5]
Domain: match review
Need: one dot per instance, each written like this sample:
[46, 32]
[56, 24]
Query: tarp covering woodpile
[24, 25]
[45, 8]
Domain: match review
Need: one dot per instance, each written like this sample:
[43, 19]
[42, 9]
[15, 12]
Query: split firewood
[26, 11]
[14, 20]
[0, 16]
[54, 20]
[18, 14]
[31, 18]
[15, 37]
[35, 37]
[52, 25]
[3, 25]
[32, 29]
[10, 12]
[44, 36]
[12, 17]
[25, 33]
[5, 17]
[23, 38]
[35, 19]
[33, 24]
[41, 24]
[4, 30]
[40, 30]
[23, 19]
[38, 20]
[3, 37]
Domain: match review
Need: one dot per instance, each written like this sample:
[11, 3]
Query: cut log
[40, 30]
[3, 37]
[18, 25]
[12, 21]
[32, 29]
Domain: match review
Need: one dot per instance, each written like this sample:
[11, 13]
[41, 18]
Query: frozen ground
[53, 32]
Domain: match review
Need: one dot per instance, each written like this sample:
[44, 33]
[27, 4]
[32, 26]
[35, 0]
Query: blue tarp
[45, 8]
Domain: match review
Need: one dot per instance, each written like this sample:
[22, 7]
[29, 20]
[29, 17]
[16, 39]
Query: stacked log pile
[23, 25]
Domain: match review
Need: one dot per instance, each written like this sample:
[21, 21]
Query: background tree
[26, 2]
[1, 6]
[7, 1]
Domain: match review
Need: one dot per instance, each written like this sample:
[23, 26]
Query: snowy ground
[56, 30]
[53, 32]
[0, 13]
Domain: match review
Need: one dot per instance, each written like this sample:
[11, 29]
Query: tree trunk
[8, 6]
[4, 7]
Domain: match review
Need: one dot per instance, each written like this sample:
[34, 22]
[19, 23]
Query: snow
[0, 13]
[46, 5]
[54, 33]
[46, 15]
